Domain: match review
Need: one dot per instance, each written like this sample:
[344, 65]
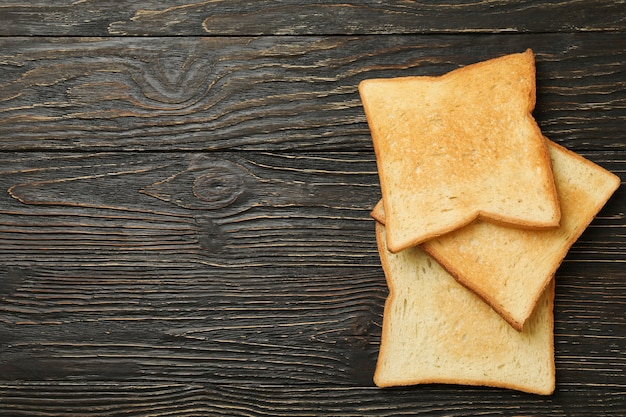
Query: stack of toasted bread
[478, 210]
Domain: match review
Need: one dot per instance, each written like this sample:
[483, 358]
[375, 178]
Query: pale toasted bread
[459, 146]
[509, 267]
[437, 331]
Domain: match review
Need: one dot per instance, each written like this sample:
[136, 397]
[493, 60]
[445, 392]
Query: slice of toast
[510, 267]
[465, 143]
[437, 331]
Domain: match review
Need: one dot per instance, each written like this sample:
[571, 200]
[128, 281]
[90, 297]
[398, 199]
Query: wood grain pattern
[292, 17]
[259, 209]
[269, 400]
[205, 325]
[275, 93]
[185, 191]
[280, 325]
[152, 267]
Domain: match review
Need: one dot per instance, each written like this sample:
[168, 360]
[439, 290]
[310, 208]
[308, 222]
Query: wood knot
[207, 184]
[219, 185]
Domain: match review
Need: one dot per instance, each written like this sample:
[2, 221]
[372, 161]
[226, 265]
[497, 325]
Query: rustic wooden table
[186, 187]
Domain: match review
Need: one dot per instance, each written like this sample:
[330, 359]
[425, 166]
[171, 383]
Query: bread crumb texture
[437, 331]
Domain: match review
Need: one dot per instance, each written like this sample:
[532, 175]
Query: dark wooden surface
[184, 200]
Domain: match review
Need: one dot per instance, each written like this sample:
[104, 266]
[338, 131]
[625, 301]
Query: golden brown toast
[509, 267]
[437, 331]
[452, 148]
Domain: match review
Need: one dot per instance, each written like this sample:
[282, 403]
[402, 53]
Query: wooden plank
[227, 209]
[101, 398]
[222, 17]
[281, 326]
[276, 93]
[209, 325]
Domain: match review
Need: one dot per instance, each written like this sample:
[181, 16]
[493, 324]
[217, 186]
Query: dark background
[185, 192]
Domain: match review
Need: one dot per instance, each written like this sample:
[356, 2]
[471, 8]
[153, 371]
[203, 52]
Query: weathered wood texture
[234, 209]
[139, 399]
[292, 17]
[228, 210]
[275, 93]
[228, 280]
[185, 192]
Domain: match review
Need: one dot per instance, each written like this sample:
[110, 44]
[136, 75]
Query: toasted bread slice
[437, 331]
[509, 267]
[459, 146]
